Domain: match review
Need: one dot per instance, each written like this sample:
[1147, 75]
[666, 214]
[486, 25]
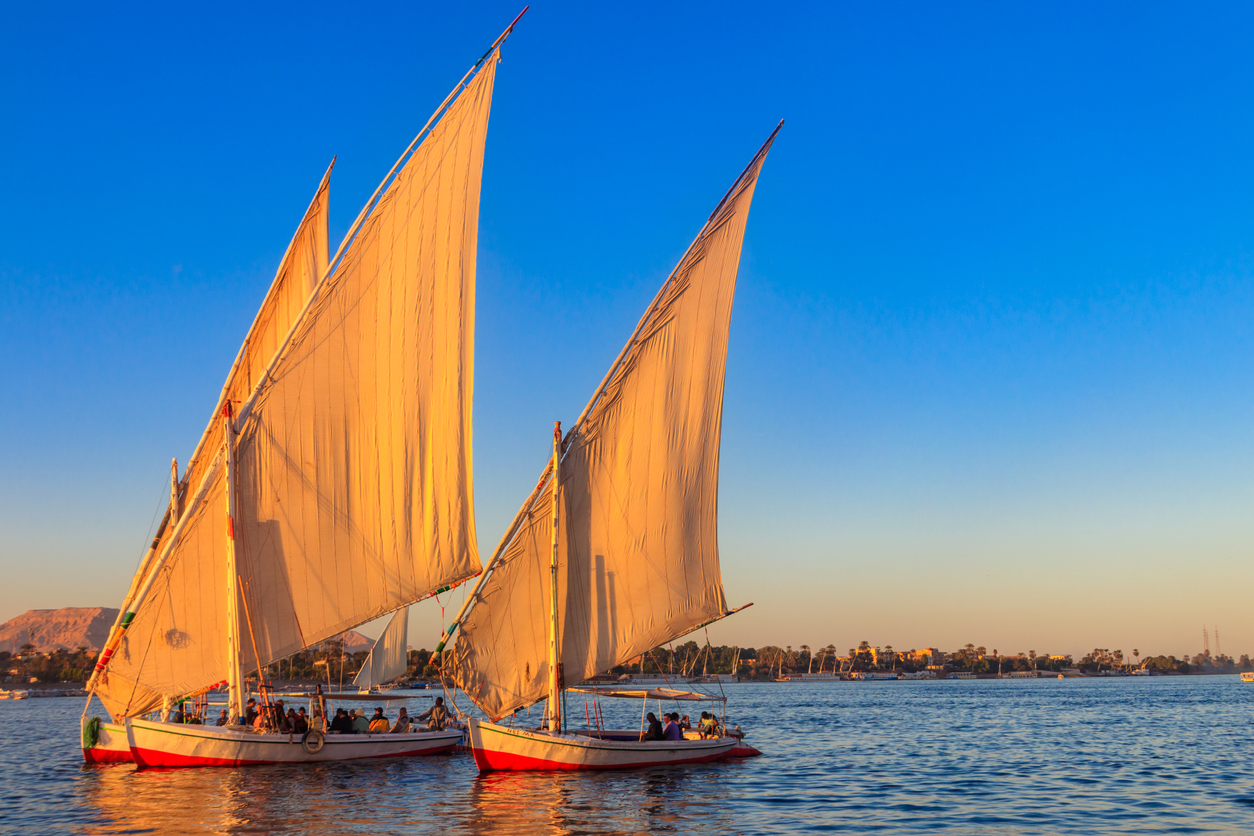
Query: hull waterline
[500, 748]
[171, 745]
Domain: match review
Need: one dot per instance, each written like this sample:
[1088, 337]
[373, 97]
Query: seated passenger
[296, 723]
[250, 714]
[655, 729]
[222, 719]
[379, 723]
[402, 723]
[715, 729]
[685, 724]
[707, 724]
[438, 715]
[341, 724]
[360, 724]
[672, 730]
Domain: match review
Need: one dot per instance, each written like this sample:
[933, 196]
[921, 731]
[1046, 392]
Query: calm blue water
[1158, 755]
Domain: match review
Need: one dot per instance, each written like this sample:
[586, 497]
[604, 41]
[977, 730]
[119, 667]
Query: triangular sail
[639, 491]
[354, 489]
[187, 603]
[389, 658]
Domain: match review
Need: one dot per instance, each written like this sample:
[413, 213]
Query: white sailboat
[333, 484]
[389, 657]
[616, 550]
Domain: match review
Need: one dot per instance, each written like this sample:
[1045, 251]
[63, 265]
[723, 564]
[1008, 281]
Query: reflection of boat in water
[615, 552]
[332, 486]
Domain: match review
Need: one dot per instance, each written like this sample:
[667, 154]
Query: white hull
[503, 748]
[175, 745]
[111, 745]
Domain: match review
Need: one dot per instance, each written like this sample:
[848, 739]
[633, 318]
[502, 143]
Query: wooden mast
[235, 701]
[555, 644]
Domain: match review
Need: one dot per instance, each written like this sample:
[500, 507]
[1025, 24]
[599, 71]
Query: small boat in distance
[332, 485]
[1248, 676]
[615, 552]
[389, 659]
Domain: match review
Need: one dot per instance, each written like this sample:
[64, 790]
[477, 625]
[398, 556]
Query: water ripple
[1152, 756]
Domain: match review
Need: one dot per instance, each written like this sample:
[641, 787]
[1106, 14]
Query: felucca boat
[333, 484]
[615, 552]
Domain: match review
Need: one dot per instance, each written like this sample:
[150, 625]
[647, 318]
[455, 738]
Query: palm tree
[1032, 656]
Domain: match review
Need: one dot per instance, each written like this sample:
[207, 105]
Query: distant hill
[70, 628]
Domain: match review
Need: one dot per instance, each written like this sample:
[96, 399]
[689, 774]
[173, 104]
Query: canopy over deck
[648, 693]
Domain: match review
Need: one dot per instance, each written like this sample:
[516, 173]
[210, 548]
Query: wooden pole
[235, 702]
[555, 640]
[174, 490]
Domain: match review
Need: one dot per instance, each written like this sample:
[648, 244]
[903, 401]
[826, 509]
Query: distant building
[927, 657]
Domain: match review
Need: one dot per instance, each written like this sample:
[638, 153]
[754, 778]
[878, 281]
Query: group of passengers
[355, 722]
[675, 727]
[276, 718]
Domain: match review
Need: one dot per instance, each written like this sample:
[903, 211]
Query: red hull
[488, 761]
[98, 755]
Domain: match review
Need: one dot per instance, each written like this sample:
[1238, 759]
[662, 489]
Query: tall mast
[235, 701]
[555, 649]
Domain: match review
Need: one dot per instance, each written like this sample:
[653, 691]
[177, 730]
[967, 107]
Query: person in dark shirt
[250, 714]
[222, 719]
[655, 729]
[341, 723]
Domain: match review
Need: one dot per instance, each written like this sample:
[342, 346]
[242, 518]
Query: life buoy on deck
[313, 741]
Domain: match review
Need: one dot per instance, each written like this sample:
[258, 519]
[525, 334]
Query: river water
[1091, 756]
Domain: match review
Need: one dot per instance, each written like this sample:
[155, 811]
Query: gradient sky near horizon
[991, 372]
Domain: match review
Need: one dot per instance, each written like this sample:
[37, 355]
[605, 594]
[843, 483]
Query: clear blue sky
[990, 375]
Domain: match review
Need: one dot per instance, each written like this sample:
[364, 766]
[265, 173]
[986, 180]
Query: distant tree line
[329, 662]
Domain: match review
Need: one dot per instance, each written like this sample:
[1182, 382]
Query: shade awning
[648, 693]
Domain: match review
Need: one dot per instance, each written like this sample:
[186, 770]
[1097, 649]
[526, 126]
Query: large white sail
[353, 465]
[389, 658]
[638, 522]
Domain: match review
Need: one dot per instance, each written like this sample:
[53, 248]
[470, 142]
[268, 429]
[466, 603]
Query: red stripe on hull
[99, 755]
[156, 759]
[490, 761]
